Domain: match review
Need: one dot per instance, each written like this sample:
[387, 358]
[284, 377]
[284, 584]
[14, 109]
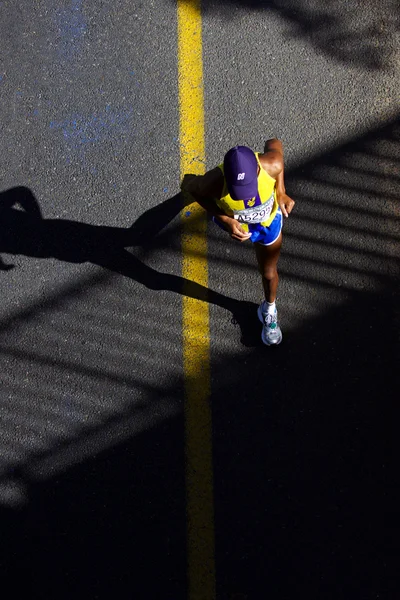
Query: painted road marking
[196, 337]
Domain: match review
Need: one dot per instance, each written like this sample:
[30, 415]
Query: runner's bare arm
[204, 189]
[272, 162]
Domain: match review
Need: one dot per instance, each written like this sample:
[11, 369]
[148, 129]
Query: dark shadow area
[109, 528]
[24, 231]
[356, 33]
[306, 470]
[305, 436]
[105, 528]
[305, 441]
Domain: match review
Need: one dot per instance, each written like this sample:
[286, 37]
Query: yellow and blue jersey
[260, 210]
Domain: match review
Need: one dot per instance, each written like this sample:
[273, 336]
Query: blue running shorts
[260, 234]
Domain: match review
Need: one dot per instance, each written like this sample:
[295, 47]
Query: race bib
[256, 214]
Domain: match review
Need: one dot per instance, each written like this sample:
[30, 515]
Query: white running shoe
[271, 332]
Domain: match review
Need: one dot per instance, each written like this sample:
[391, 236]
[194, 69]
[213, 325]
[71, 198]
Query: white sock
[271, 307]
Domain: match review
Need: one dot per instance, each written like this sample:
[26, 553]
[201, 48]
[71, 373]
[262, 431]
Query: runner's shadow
[24, 231]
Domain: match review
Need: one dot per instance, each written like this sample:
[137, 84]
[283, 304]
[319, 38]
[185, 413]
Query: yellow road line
[196, 340]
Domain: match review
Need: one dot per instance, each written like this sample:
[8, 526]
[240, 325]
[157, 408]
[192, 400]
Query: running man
[246, 196]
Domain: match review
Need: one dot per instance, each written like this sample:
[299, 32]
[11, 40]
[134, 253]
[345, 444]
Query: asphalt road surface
[92, 484]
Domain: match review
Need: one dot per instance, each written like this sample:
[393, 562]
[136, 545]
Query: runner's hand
[286, 204]
[234, 228]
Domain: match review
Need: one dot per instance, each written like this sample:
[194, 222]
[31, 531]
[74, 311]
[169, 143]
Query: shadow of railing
[302, 434]
[359, 35]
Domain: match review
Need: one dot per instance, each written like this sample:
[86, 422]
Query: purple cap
[240, 170]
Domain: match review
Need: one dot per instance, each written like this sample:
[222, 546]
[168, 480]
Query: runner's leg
[267, 258]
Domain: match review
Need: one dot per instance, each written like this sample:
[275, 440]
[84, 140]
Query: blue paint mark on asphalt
[82, 132]
[72, 26]
[165, 190]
